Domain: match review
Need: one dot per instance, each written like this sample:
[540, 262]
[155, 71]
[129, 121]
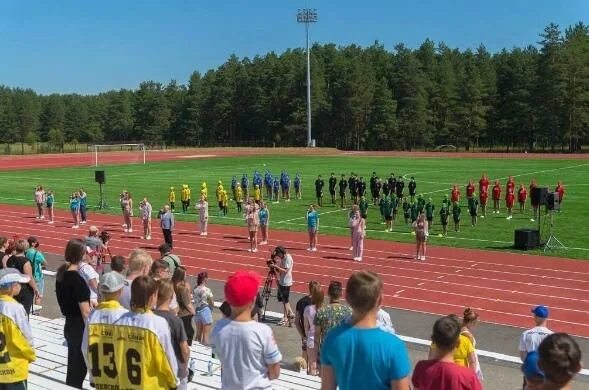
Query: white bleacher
[49, 370]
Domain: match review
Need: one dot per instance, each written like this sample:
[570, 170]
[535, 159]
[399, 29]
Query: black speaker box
[526, 239]
[99, 177]
[539, 195]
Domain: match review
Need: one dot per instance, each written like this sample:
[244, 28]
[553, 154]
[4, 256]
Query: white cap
[112, 282]
[9, 276]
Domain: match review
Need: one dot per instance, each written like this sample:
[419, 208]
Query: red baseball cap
[241, 288]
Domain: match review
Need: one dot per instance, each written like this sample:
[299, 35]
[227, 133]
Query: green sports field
[434, 178]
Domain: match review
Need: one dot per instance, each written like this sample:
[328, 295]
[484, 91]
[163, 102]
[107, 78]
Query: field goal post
[137, 148]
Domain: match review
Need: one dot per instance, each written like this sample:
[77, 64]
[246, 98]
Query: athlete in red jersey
[483, 194]
[535, 205]
[455, 196]
[469, 189]
[522, 197]
[509, 201]
[560, 189]
[496, 196]
[510, 184]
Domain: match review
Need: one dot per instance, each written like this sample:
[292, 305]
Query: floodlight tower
[308, 16]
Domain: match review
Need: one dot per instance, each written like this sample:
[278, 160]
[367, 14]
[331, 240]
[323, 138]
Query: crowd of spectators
[134, 326]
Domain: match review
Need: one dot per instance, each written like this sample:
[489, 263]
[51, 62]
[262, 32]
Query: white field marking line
[494, 270]
[320, 214]
[389, 284]
[450, 237]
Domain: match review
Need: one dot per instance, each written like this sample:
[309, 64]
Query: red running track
[501, 286]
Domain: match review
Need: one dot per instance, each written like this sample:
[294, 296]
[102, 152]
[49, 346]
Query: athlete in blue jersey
[233, 186]
[287, 187]
[245, 184]
[275, 192]
[298, 185]
[268, 181]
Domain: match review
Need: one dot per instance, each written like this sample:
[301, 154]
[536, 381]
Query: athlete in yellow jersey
[98, 333]
[257, 194]
[136, 352]
[204, 191]
[16, 348]
[224, 201]
[185, 197]
[218, 192]
[172, 198]
[238, 197]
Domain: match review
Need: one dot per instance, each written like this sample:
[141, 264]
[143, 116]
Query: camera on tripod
[271, 263]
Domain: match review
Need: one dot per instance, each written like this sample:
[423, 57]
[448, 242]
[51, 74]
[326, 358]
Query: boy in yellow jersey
[238, 197]
[172, 198]
[98, 335]
[218, 192]
[16, 351]
[224, 201]
[134, 352]
[185, 198]
[257, 194]
[204, 191]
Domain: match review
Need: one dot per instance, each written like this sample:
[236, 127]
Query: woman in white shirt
[317, 297]
[203, 304]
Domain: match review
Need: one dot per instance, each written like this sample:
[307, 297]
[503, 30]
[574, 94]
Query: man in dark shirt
[361, 187]
[399, 187]
[319, 183]
[377, 188]
[352, 185]
[373, 180]
[343, 184]
[392, 182]
[332, 185]
[412, 188]
[386, 188]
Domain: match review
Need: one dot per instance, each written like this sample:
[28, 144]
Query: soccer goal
[118, 154]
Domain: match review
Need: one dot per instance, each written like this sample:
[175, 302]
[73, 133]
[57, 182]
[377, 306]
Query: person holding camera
[283, 264]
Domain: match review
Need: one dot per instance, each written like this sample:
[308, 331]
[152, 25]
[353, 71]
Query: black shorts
[283, 293]
[388, 218]
[363, 216]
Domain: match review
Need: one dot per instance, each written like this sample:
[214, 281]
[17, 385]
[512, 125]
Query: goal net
[118, 154]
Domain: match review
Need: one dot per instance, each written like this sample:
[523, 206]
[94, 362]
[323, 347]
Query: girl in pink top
[39, 201]
[421, 233]
[203, 216]
[358, 226]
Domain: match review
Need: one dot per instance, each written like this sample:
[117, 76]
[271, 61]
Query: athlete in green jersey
[444, 215]
[363, 205]
[456, 216]
[473, 205]
[406, 210]
[429, 212]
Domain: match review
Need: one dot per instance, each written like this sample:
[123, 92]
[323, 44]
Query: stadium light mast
[308, 16]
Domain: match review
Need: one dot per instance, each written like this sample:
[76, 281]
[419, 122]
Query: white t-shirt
[309, 315]
[125, 298]
[531, 338]
[87, 272]
[286, 278]
[245, 349]
[201, 295]
[383, 320]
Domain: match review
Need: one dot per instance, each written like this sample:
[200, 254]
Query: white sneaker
[482, 216]
[358, 259]
[202, 233]
[50, 222]
[205, 234]
[124, 225]
[148, 238]
[263, 242]
[255, 250]
[390, 230]
[309, 249]
[417, 257]
[351, 248]
[314, 249]
[532, 220]
[42, 217]
[422, 258]
[130, 230]
[76, 227]
[126, 230]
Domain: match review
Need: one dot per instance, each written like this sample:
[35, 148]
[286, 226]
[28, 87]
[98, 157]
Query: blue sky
[91, 46]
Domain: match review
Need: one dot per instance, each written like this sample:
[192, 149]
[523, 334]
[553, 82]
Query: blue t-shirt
[49, 200]
[312, 219]
[263, 215]
[74, 204]
[365, 358]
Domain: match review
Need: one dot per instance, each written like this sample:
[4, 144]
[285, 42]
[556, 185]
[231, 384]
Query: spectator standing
[247, 349]
[167, 225]
[420, 226]
[127, 206]
[313, 227]
[146, 210]
[167, 256]
[98, 333]
[470, 320]
[73, 297]
[118, 264]
[49, 201]
[203, 216]
[75, 209]
[330, 315]
[37, 263]
[359, 347]
[309, 317]
[83, 206]
[178, 336]
[284, 265]
[252, 220]
[531, 338]
[184, 297]
[39, 197]
[203, 303]
[559, 358]
[440, 372]
[17, 348]
[90, 276]
[19, 261]
[3, 248]
[300, 316]
[139, 265]
[96, 247]
[264, 217]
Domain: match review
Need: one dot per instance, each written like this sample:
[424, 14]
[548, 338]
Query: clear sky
[91, 46]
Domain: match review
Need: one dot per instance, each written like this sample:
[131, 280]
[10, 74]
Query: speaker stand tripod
[102, 202]
[552, 242]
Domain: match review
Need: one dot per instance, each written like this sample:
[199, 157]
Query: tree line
[531, 98]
